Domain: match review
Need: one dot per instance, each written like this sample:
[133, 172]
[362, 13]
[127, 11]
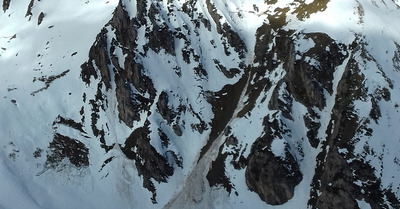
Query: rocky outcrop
[336, 183]
[272, 177]
[163, 109]
[304, 10]
[341, 177]
[149, 163]
[232, 38]
[160, 37]
[175, 94]
[224, 103]
[280, 73]
[6, 5]
[134, 90]
[40, 18]
[99, 57]
[124, 26]
[135, 94]
[63, 147]
[29, 10]
[307, 81]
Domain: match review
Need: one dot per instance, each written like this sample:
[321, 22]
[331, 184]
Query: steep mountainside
[200, 104]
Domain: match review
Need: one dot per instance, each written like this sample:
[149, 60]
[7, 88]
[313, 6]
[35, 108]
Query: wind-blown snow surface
[40, 74]
[28, 52]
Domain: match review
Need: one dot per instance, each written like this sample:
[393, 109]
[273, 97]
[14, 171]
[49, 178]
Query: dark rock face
[224, 104]
[233, 39]
[160, 37]
[336, 178]
[132, 85]
[337, 184]
[308, 83]
[272, 177]
[163, 108]
[337, 172]
[131, 89]
[216, 175]
[40, 18]
[162, 76]
[125, 32]
[305, 79]
[134, 90]
[65, 147]
[304, 82]
[6, 5]
[98, 56]
[29, 10]
[150, 164]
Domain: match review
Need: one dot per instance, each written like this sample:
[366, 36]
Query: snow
[198, 173]
[338, 21]
[52, 47]
[362, 204]
[36, 51]
[14, 193]
[131, 8]
[245, 20]
[303, 45]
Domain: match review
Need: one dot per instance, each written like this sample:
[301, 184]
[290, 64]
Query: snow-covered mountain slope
[199, 104]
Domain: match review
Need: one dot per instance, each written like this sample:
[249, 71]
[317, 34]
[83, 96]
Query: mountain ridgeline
[218, 105]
